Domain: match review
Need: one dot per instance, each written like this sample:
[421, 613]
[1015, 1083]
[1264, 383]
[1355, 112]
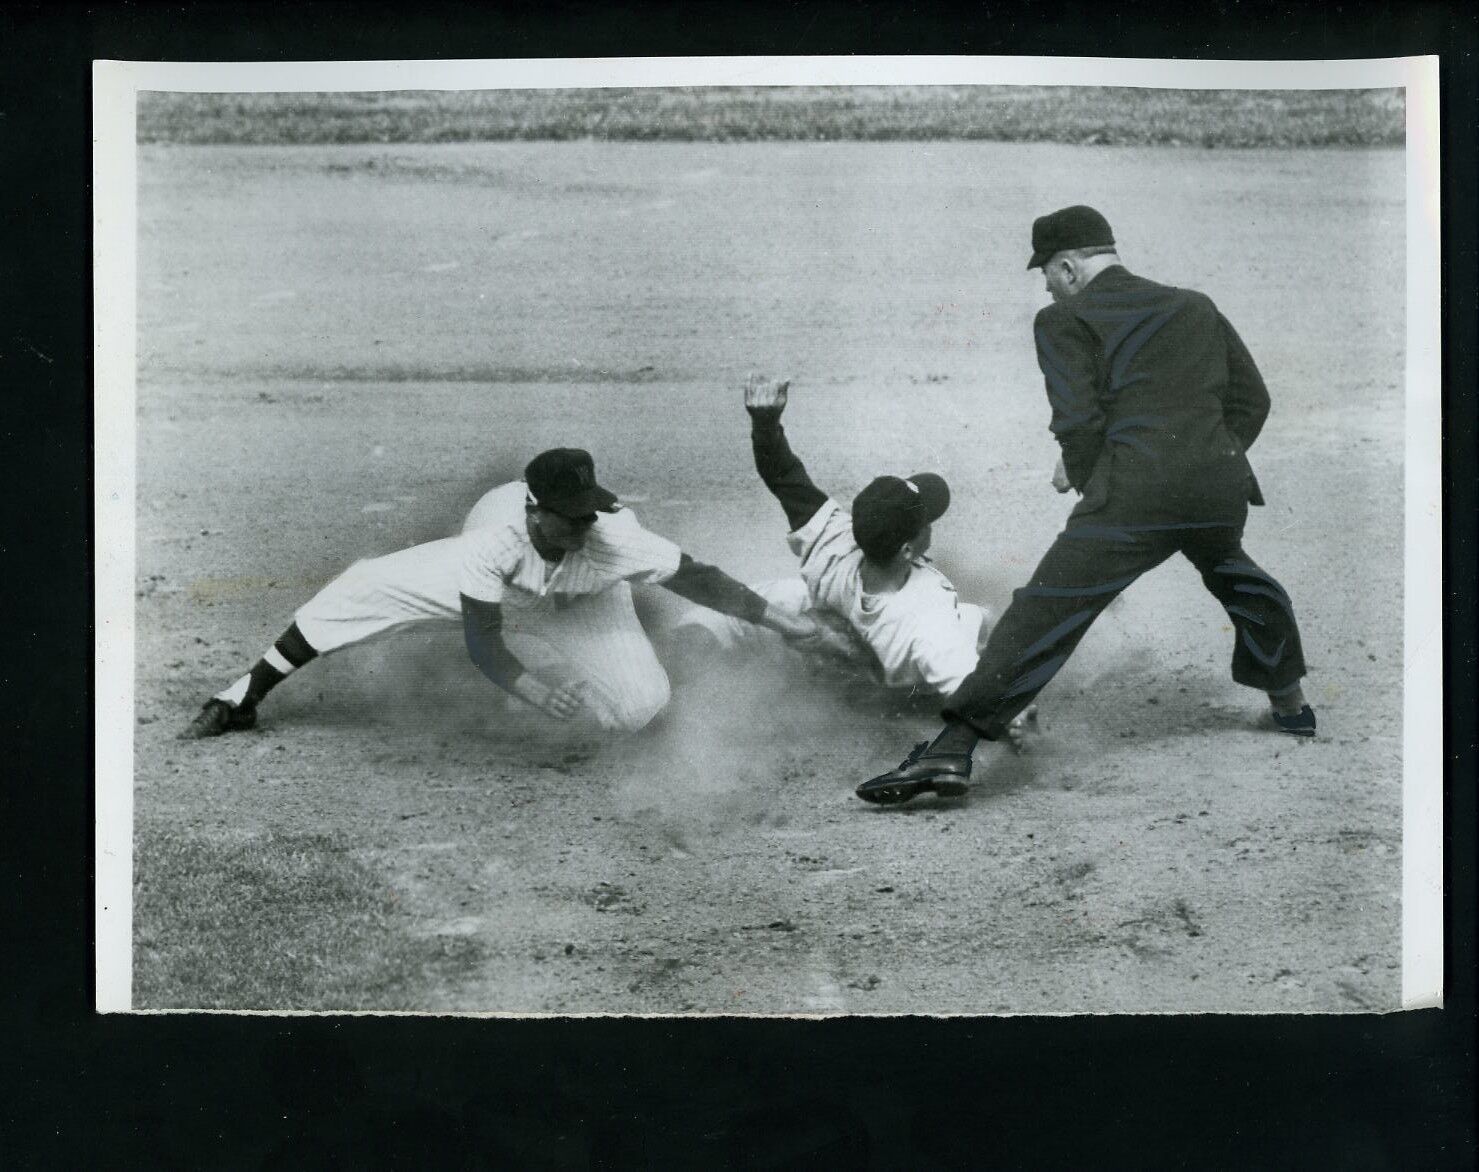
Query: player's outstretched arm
[482, 626]
[783, 473]
[711, 587]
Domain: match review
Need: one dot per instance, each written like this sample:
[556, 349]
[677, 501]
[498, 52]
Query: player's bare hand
[1018, 728]
[565, 701]
[1060, 477]
[828, 643]
[766, 396]
[561, 703]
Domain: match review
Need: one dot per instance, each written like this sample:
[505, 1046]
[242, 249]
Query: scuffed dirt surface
[341, 348]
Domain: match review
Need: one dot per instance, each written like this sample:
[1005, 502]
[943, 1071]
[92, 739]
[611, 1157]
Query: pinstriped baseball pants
[596, 638]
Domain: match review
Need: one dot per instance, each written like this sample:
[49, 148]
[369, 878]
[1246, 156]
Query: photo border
[1109, 1091]
[117, 84]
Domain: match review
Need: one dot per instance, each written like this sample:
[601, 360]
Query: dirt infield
[341, 347]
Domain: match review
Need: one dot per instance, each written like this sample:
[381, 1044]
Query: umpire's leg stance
[1084, 570]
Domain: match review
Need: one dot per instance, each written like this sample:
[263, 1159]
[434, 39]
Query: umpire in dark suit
[1155, 403]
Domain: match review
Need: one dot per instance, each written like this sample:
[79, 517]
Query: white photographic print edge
[116, 89]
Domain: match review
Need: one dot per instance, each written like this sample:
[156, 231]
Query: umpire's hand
[1060, 477]
[765, 396]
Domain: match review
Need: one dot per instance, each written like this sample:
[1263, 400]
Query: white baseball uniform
[920, 637]
[572, 619]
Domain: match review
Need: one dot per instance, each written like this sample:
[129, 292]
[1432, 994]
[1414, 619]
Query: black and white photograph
[768, 537]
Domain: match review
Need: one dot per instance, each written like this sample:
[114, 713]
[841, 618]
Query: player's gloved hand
[765, 398]
[1060, 477]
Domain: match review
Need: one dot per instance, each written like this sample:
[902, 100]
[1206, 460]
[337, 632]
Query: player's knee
[642, 708]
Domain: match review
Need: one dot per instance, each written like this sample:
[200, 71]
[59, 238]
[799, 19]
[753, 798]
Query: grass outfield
[270, 920]
[1064, 114]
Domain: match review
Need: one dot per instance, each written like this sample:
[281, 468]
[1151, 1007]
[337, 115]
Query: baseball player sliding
[540, 580]
[864, 577]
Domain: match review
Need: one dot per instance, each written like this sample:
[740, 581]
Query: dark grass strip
[1063, 114]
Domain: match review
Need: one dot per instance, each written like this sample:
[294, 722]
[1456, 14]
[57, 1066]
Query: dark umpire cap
[1075, 227]
[890, 511]
[563, 480]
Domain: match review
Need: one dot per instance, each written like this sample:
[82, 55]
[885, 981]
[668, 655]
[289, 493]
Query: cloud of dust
[740, 731]
[415, 680]
[1113, 652]
[740, 734]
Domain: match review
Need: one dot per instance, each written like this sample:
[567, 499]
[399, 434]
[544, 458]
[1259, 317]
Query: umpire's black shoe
[1301, 724]
[946, 774]
[217, 717]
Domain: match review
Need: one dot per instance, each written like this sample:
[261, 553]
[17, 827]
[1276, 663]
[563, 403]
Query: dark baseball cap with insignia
[563, 480]
[1076, 227]
[892, 509]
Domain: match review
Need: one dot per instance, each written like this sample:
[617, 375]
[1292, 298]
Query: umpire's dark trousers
[1088, 565]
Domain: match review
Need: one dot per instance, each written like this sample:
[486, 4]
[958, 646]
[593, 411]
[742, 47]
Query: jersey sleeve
[827, 536]
[782, 472]
[490, 556]
[621, 549]
[823, 544]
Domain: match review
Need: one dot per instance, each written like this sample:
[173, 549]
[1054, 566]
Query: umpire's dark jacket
[1155, 400]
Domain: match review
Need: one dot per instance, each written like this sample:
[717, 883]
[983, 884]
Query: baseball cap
[891, 510]
[563, 480]
[1076, 227]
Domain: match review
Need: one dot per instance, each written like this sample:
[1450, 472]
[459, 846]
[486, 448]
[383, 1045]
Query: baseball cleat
[217, 717]
[1301, 724]
[947, 775]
